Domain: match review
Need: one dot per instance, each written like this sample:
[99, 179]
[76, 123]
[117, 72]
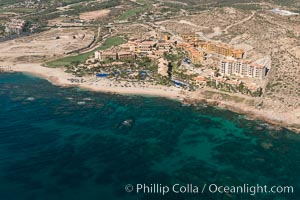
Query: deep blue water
[66, 143]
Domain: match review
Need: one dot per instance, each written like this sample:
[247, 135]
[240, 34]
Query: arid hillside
[278, 37]
[265, 34]
[294, 3]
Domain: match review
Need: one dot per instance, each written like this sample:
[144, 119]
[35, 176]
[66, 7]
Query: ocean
[71, 144]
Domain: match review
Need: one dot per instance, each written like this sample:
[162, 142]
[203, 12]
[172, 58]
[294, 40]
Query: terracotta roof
[124, 53]
[238, 51]
[200, 78]
[227, 61]
[150, 43]
[107, 53]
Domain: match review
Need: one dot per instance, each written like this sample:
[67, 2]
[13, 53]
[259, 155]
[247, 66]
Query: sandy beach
[57, 76]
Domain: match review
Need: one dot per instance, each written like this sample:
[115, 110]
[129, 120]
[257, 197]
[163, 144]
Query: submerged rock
[128, 122]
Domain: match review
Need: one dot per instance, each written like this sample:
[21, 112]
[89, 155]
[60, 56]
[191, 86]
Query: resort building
[213, 47]
[130, 46]
[158, 35]
[154, 57]
[192, 37]
[111, 55]
[197, 48]
[163, 46]
[183, 46]
[195, 55]
[221, 49]
[258, 71]
[105, 55]
[238, 53]
[200, 80]
[146, 46]
[159, 53]
[243, 68]
[125, 55]
[15, 26]
[135, 48]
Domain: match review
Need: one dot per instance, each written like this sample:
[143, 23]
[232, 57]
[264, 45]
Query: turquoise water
[66, 143]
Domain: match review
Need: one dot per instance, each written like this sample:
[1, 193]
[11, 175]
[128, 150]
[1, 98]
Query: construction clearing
[42, 46]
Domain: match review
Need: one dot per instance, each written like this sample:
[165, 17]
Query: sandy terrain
[94, 14]
[64, 8]
[62, 21]
[45, 45]
[215, 21]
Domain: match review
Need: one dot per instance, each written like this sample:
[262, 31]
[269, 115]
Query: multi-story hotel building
[221, 49]
[125, 55]
[195, 55]
[105, 55]
[134, 48]
[163, 46]
[111, 55]
[146, 46]
[213, 47]
[238, 53]
[130, 46]
[243, 68]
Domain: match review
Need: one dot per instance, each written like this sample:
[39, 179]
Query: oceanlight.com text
[252, 190]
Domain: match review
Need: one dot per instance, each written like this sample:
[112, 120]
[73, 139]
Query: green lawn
[113, 41]
[18, 10]
[132, 12]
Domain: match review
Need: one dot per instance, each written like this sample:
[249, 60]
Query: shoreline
[58, 77]
[254, 116]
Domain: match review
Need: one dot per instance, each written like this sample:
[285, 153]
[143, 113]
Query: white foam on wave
[30, 99]
[81, 103]
[87, 99]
